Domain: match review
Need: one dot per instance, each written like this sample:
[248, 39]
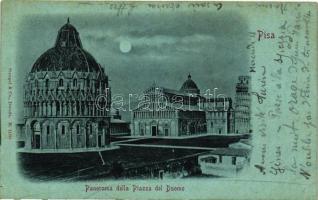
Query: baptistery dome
[67, 54]
[67, 98]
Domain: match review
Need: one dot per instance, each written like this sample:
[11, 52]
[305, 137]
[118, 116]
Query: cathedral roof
[189, 85]
[67, 54]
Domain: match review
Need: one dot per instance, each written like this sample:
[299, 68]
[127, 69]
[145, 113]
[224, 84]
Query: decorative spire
[68, 36]
[189, 76]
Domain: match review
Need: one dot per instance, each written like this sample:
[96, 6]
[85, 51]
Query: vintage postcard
[158, 100]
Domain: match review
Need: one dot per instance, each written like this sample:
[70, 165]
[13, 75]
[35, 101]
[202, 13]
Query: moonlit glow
[125, 46]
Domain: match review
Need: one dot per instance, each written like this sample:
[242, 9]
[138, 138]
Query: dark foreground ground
[125, 162]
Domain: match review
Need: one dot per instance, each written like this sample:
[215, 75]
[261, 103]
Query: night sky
[160, 47]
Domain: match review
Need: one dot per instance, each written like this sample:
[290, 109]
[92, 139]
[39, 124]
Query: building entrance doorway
[36, 143]
[166, 132]
[154, 130]
[192, 128]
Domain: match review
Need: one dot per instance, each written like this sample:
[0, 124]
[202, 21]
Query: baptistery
[61, 92]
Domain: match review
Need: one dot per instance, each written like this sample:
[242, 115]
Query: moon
[125, 46]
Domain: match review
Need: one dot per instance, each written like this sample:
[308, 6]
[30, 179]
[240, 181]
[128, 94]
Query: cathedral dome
[189, 86]
[67, 54]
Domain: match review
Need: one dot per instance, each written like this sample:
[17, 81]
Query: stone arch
[60, 97]
[40, 98]
[89, 130]
[74, 84]
[77, 137]
[48, 135]
[61, 82]
[63, 134]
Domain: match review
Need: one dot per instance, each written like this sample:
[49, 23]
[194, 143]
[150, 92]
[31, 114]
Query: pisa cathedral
[185, 113]
[59, 97]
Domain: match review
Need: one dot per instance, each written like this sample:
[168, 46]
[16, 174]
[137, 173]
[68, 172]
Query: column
[85, 134]
[53, 109]
[65, 108]
[49, 108]
[94, 111]
[70, 108]
[188, 131]
[28, 109]
[96, 133]
[75, 106]
[33, 109]
[44, 113]
[40, 108]
[103, 137]
[61, 109]
[85, 108]
[55, 136]
[41, 136]
[36, 109]
[71, 135]
[89, 108]
[67, 112]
